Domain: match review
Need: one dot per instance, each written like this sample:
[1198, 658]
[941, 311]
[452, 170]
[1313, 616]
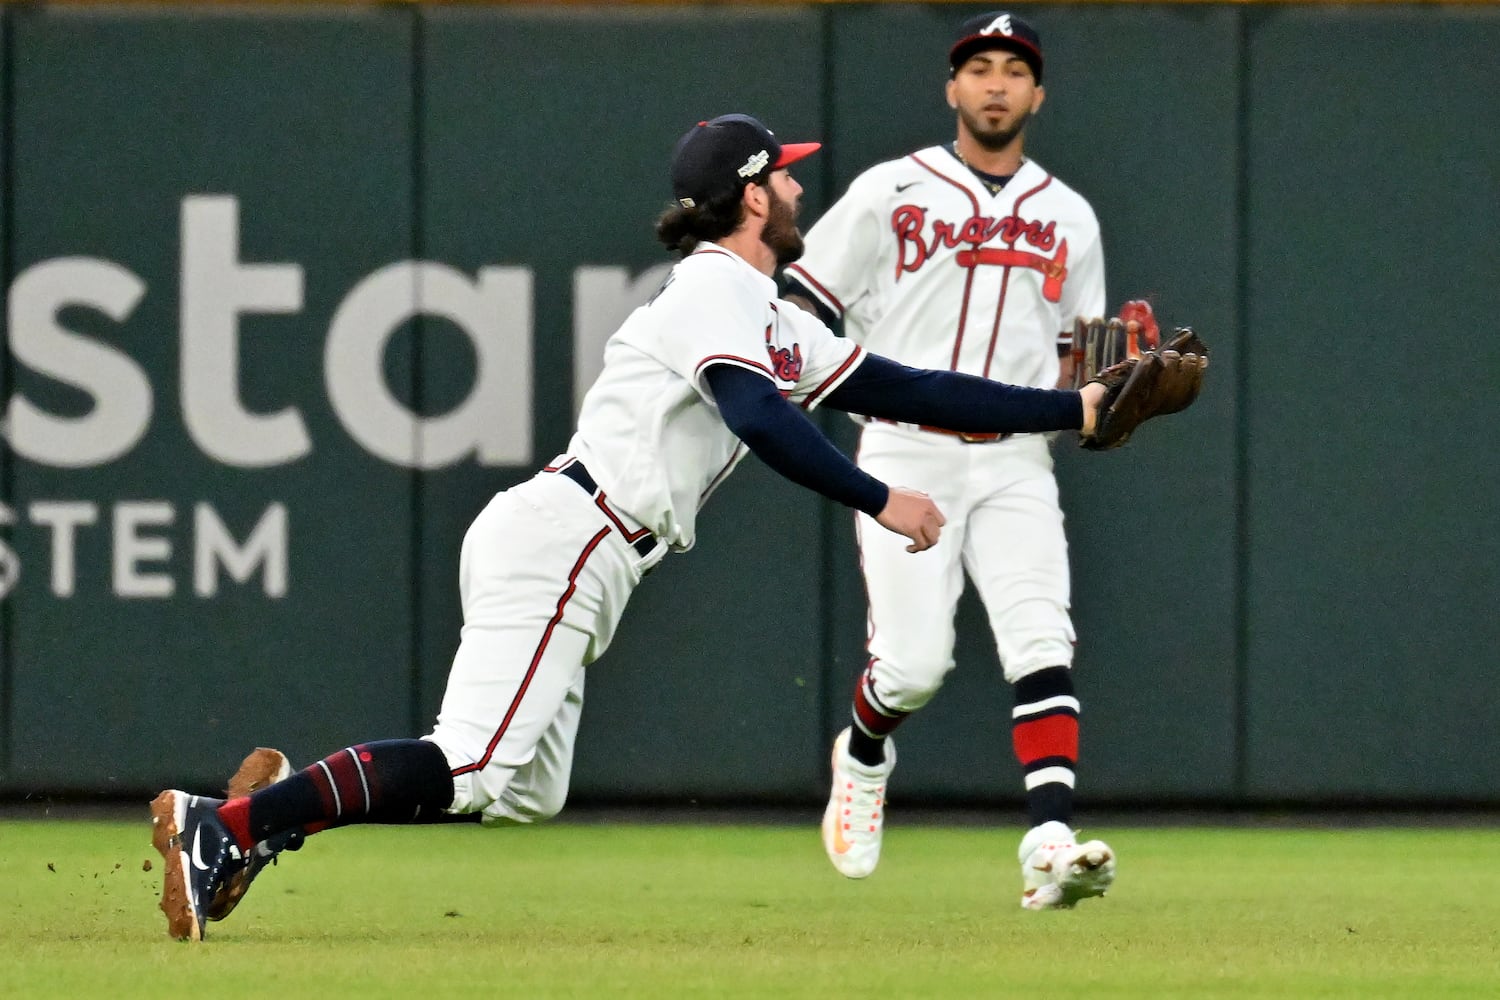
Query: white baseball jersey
[547, 568]
[926, 266]
[648, 430]
[929, 267]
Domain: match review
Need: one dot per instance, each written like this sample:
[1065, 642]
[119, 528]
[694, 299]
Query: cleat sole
[168, 810]
[261, 767]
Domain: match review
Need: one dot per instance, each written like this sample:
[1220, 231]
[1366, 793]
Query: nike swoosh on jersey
[903, 187]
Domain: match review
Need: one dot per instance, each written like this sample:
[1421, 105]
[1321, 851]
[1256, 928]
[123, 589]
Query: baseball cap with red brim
[723, 154]
[997, 30]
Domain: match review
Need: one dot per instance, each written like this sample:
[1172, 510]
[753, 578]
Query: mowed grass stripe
[725, 911]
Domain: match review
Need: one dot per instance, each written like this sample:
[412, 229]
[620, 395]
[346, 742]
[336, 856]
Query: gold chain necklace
[982, 177]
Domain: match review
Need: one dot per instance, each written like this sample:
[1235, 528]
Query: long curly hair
[682, 229]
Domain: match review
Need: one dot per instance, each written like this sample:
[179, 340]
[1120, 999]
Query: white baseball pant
[544, 577]
[1004, 528]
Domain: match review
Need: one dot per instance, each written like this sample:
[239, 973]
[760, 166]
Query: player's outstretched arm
[781, 436]
[880, 387]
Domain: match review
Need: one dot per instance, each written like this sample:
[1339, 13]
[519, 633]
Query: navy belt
[642, 541]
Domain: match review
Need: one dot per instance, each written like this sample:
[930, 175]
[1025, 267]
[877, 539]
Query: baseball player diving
[713, 365]
[971, 257]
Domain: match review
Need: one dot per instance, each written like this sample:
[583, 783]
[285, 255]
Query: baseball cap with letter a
[723, 154]
[997, 30]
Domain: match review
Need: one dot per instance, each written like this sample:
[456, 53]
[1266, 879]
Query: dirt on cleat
[174, 890]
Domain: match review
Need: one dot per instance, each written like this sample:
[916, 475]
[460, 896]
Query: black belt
[644, 543]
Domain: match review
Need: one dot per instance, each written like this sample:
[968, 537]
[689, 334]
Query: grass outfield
[729, 911]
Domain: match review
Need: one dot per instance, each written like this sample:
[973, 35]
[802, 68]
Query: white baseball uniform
[928, 267]
[547, 567]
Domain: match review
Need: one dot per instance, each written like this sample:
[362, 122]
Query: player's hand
[1093, 394]
[913, 514]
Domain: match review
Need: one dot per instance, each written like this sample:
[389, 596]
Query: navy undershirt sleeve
[781, 436]
[880, 387]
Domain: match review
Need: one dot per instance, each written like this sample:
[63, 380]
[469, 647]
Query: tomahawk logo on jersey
[920, 246]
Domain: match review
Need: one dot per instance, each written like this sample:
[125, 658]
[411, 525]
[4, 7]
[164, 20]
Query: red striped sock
[390, 781]
[870, 715]
[873, 721]
[1044, 733]
[236, 816]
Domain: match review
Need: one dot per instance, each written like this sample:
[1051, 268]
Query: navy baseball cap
[717, 156]
[997, 30]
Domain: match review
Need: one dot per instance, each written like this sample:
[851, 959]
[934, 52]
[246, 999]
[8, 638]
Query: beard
[780, 232]
[993, 139]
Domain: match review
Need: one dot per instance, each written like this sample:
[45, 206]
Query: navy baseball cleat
[262, 854]
[200, 854]
[263, 766]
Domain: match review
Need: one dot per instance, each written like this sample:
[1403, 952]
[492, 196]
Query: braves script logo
[917, 241]
[786, 365]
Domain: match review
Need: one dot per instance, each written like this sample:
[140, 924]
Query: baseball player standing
[971, 257]
[714, 364]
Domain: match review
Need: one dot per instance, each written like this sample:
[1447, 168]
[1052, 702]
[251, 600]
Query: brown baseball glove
[1159, 382]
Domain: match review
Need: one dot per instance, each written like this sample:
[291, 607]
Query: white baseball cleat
[855, 816]
[1057, 871]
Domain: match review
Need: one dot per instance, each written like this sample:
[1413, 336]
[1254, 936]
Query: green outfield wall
[291, 290]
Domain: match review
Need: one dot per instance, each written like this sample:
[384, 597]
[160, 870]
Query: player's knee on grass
[473, 791]
[522, 806]
[504, 795]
